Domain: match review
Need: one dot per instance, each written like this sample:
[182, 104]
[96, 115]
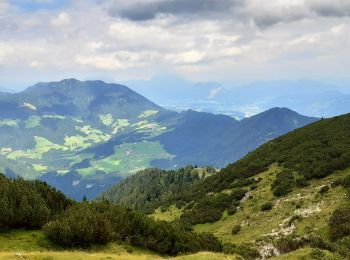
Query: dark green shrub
[300, 181]
[80, 225]
[210, 208]
[232, 210]
[342, 247]
[236, 229]
[324, 189]
[295, 218]
[266, 206]
[317, 254]
[179, 204]
[317, 241]
[239, 183]
[97, 223]
[336, 183]
[247, 251]
[28, 204]
[253, 186]
[299, 204]
[339, 223]
[283, 183]
[289, 243]
[345, 182]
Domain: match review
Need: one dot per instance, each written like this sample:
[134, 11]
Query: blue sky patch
[36, 5]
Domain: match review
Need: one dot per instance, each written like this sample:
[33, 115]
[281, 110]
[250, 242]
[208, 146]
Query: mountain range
[288, 199]
[307, 97]
[83, 137]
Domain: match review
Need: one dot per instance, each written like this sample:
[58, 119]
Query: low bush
[339, 223]
[317, 254]
[28, 204]
[345, 182]
[301, 182]
[232, 210]
[97, 223]
[210, 208]
[80, 225]
[289, 243]
[247, 251]
[266, 206]
[324, 189]
[295, 218]
[283, 183]
[236, 229]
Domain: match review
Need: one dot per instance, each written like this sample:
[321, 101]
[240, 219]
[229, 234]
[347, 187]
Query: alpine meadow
[175, 129]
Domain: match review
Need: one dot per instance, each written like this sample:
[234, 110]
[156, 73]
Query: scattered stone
[267, 250]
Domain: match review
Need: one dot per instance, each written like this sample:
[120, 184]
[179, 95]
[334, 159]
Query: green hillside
[64, 224]
[289, 194]
[289, 199]
[84, 136]
[312, 152]
[149, 187]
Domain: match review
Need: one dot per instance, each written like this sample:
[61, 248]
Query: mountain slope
[85, 99]
[314, 151]
[288, 194]
[83, 137]
[44, 129]
[205, 139]
[153, 185]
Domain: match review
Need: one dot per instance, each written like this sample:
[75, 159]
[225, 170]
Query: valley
[82, 137]
[246, 206]
[174, 130]
[280, 213]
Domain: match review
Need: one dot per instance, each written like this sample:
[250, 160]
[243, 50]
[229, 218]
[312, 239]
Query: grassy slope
[170, 214]
[257, 225]
[43, 146]
[314, 208]
[26, 244]
[308, 254]
[118, 256]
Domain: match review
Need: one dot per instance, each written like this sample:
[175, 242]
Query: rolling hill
[83, 137]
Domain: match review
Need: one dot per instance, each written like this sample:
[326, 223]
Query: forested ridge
[151, 187]
[312, 152]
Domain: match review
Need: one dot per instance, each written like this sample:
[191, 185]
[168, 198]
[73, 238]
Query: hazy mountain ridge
[307, 97]
[220, 144]
[84, 136]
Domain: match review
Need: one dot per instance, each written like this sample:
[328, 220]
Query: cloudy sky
[204, 40]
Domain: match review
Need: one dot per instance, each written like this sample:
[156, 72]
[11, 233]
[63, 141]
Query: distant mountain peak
[280, 110]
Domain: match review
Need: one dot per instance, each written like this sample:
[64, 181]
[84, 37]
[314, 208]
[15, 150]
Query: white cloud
[264, 39]
[63, 19]
[36, 64]
[5, 52]
[4, 7]
[188, 57]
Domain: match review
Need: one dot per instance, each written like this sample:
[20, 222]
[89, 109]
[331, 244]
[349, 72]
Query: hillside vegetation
[29, 204]
[34, 205]
[150, 187]
[312, 152]
[84, 136]
[288, 195]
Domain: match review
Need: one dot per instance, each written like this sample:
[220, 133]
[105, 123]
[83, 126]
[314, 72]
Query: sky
[201, 40]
